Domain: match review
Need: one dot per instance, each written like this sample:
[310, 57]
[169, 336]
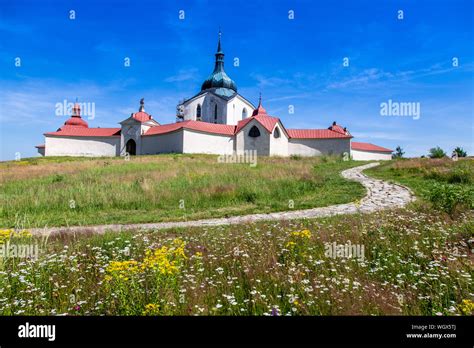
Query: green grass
[415, 263]
[64, 191]
[421, 174]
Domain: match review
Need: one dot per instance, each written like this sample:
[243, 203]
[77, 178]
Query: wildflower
[303, 234]
[121, 269]
[466, 307]
[151, 309]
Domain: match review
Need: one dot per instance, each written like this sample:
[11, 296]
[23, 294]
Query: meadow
[415, 261]
[70, 191]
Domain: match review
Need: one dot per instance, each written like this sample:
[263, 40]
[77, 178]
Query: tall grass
[415, 263]
[165, 187]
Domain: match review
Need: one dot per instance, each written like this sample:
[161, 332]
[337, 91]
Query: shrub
[460, 152]
[448, 197]
[398, 152]
[437, 152]
[458, 175]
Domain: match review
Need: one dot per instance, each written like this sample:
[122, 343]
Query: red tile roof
[368, 147]
[76, 121]
[268, 122]
[337, 128]
[142, 116]
[207, 127]
[75, 131]
[316, 134]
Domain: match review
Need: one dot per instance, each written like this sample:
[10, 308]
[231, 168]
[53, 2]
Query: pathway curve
[380, 195]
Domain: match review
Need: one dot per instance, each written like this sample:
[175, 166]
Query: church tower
[218, 100]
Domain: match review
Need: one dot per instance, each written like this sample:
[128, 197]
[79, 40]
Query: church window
[198, 111]
[244, 113]
[254, 132]
[276, 133]
[215, 112]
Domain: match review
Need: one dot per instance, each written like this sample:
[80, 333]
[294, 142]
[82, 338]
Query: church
[217, 120]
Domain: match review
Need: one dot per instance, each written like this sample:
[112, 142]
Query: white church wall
[358, 155]
[234, 110]
[199, 142]
[207, 102]
[190, 108]
[163, 143]
[318, 147]
[244, 142]
[82, 146]
[228, 112]
[278, 146]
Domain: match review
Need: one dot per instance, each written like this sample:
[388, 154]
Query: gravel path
[380, 195]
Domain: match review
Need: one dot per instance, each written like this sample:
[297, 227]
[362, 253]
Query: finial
[142, 105]
[219, 41]
[76, 109]
[260, 99]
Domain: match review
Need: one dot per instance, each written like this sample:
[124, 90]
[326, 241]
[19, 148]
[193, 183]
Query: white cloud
[183, 75]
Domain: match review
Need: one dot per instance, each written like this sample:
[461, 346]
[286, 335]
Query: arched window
[244, 113]
[198, 111]
[254, 132]
[215, 113]
[276, 133]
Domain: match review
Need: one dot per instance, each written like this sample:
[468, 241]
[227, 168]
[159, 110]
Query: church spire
[260, 110]
[219, 66]
[219, 42]
[218, 78]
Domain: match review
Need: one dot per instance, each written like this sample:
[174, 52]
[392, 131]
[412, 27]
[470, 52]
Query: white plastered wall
[234, 110]
[163, 143]
[246, 143]
[358, 155]
[319, 147]
[199, 142]
[82, 146]
[279, 146]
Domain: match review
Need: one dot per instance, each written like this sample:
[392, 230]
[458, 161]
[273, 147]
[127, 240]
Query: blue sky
[295, 62]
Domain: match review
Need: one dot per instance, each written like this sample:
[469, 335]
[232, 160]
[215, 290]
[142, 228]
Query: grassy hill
[84, 191]
[416, 261]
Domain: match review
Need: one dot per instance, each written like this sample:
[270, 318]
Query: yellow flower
[11, 233]
[303, 234]
[151, 309]
[121, 269]
[290, 244]
[466, 307]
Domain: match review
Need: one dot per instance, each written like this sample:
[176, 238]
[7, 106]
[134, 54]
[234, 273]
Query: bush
[448, 197]
[398, 152]
[460, 152]
[437, 152]
[459, 175]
